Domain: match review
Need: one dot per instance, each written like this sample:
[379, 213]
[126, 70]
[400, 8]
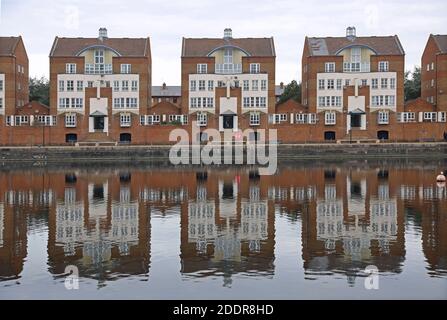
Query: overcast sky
[166, 22]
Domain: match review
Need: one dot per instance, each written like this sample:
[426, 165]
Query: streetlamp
[41, 124]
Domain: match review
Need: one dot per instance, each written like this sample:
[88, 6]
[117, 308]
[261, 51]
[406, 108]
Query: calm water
[162, 232]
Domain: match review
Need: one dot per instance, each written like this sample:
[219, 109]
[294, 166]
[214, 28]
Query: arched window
[329, 135]
[71, 138]
[382, 135]
[125, 137]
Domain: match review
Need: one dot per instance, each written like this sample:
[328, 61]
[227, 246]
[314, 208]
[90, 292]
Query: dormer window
[99, 56]
[228, 56]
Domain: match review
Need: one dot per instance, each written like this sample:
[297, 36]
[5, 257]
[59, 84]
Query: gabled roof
[33, 108]
[128, 47]
[166, 91]
[441, 41]
[98, 114]
[357, 111]
[330, 46]
[202, 47]
[8, 45]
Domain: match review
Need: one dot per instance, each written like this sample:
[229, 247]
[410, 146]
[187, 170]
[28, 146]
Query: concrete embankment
[285, 152]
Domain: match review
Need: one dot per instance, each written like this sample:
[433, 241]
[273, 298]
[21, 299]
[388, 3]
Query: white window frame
[202, 85]
[429, 116]
[383, 66]
[202, 68]
[202, 119]
[193, 85]
[246, 102]
[383, 117]
[339, 84]
[280, 117]
[246, 85]
[330, 118]
[126, 68]
[254, 85]
[392, 83]
[79, 85]
[321, 84]
[125, 85]
[210, 85]
[116, 86]
[70, 120]
[301, 118]
[134, 85]
[263, 85]
[255, 118]
[329, 67]
[64, 103]
[99, 56]
[152, 119]
[255, 68]
[70, 85]
[125, 120]
[70, 68]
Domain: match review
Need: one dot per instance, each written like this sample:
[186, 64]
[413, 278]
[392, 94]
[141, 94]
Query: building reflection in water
[353, 223]
[99, 225]
[227, 229]
[100, 219]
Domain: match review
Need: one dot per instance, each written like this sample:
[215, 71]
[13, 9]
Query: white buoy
[440, 177]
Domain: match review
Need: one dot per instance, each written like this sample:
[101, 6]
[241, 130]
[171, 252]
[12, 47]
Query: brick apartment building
[434, 72]
[353, 90]
[228, 84]
[101, 91]
[353, 86]
[100, 88]
[14, 85]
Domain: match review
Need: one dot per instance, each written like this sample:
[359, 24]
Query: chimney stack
[351, 33]
[228, 33]
[102, 34]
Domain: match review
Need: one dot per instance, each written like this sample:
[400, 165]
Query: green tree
[291, 91]
[412, 84]
[39, 90]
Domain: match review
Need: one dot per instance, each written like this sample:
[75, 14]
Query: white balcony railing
[228, 68]
[98, 68]
[356, 67]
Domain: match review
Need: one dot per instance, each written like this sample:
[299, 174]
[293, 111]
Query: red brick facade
[434, 72]
[359, 110]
